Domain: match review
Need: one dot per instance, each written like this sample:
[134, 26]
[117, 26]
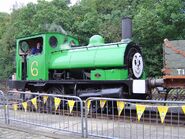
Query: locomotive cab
[33, 53]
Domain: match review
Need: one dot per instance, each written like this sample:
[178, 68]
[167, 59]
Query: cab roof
[42, 34]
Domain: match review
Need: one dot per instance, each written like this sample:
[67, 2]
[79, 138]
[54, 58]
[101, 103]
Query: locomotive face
[137, 65]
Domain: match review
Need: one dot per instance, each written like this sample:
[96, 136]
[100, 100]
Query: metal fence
[41, 111]
[134, 119]
[95, 117]
[2, 108]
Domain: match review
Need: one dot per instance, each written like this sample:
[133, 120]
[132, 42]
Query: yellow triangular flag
[140, 109]
[183, 108]
[34, 102]
[162, 112]
[45, 98]
[88, 105]
[15, 107]
[57, 102]
[6, 107]
[120, 107]
[71, 105]
[102, 103]
[25, 105]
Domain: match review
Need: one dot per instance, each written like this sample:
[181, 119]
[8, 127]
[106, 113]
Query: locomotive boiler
[62, 66]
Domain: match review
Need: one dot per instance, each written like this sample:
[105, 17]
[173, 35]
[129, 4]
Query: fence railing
[2, 108]
[134, 119]
[97, 117]
[45, 111]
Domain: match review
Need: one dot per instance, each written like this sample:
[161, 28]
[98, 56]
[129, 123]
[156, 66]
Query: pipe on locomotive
[156, 83]
[126, 28]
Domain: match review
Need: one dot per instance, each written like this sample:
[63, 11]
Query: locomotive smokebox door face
[137, 65]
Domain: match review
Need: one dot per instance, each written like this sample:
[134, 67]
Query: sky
[6, 5]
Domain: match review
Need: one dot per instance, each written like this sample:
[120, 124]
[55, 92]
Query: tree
[153, 20]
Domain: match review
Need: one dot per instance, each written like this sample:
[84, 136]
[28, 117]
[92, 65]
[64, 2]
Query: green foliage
[153, 20]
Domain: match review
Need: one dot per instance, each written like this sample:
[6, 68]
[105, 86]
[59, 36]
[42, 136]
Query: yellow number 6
[34, 70]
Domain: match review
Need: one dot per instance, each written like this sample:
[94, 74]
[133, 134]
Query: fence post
[4, 106]
[7, 110]
[86, 113]
[82, 117]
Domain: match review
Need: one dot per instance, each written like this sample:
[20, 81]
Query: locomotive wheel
[134, 63]
[50, 106]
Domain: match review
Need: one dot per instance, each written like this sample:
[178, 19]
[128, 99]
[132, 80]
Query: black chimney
[126, 28]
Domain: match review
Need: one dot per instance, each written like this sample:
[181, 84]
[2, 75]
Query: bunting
[15, 107]
[88, 105]
[45, 98]
[57, 102]
[34, 102]
[183, 108]
[162, 112]
[120, 107]
[71, 105]
[102, 103]
[140, 110]
[25, 105]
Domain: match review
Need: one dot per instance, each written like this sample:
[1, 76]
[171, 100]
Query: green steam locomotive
[55, 63]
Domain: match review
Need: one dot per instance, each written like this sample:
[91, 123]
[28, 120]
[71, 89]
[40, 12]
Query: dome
[96, 40]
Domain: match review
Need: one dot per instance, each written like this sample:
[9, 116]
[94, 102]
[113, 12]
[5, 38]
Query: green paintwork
[98, 74]
[37, 65]
[116, 74]
[113, 74]
[96, 40]
[103, 56]
[96, 55]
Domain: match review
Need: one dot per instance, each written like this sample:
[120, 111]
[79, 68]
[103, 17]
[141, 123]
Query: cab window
[32, 46]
